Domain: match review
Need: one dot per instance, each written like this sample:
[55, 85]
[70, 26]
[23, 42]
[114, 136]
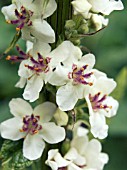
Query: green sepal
[51, 89]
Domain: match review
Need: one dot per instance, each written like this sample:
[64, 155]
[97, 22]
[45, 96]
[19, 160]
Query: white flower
[90, 150]
[83, 155]
[33, 126]
[99, 21]
[29, 15]
[81, 7]
[74, 74]
[38, 68]
[106, 6]
[100, 104]
[55, 160]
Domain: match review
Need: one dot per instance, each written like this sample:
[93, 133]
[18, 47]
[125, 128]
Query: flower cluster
[72, 74]
[96, 10]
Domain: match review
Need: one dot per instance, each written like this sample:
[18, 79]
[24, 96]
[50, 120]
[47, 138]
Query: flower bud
[83, 29]
[70, 24]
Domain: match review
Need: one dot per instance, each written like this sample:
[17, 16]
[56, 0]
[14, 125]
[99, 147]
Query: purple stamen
[22, 56]
[40, 65]
[97, 102]
[15, 22]
[31, 125]
[23, 18]
[79, 76]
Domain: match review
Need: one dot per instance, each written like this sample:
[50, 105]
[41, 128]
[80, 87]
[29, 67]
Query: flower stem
[58, 19]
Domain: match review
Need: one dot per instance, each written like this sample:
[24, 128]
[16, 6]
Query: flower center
[22, 56]
[78, 75]
[23, 18]
[31, 125]
[40, 65]
[97, 102]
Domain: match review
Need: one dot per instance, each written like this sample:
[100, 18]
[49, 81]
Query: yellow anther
[110, 107]
[8, 21]
[8, 57]
[36, 68]
[25, 65]
[36, 131]
[18, 29]
[101, 106]
[21, 130]
[90, 83]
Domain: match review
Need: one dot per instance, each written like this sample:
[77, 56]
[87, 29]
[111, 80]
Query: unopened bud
[83, 29]
[70, 24]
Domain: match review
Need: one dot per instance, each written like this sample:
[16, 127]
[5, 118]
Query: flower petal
[59, 76]
[33, 147]
[50, 8]
[52, 133]
[107, 6]
[66, 97]
[104, 85]
[76, 158]
[10, 129]
[33, 88]
[24, 71]
[80, 143]
[99, 129]
[9, 12]
[21, 83]
[114, 104]
[79, 130]
[42, 48]
[87, 59]
[20, 108]
[43, 31]
[63, 54]
[53, 165]
[55, 160]
[29, 46]
[45, 110]
[81, 7]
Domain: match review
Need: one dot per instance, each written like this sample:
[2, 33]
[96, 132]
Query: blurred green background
[110, 49]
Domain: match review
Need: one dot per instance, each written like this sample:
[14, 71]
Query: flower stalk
[58, 19]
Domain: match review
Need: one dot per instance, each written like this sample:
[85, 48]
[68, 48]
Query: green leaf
[12, 157]
[18, 161]
[8, 148]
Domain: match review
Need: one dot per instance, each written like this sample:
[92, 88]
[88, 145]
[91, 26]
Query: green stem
[58, 19]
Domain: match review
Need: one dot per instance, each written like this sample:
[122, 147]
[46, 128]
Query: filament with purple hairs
[97, 102]
[22, 56]
[40, 65]
[23, 18]
[78, 75]
[30, 124]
